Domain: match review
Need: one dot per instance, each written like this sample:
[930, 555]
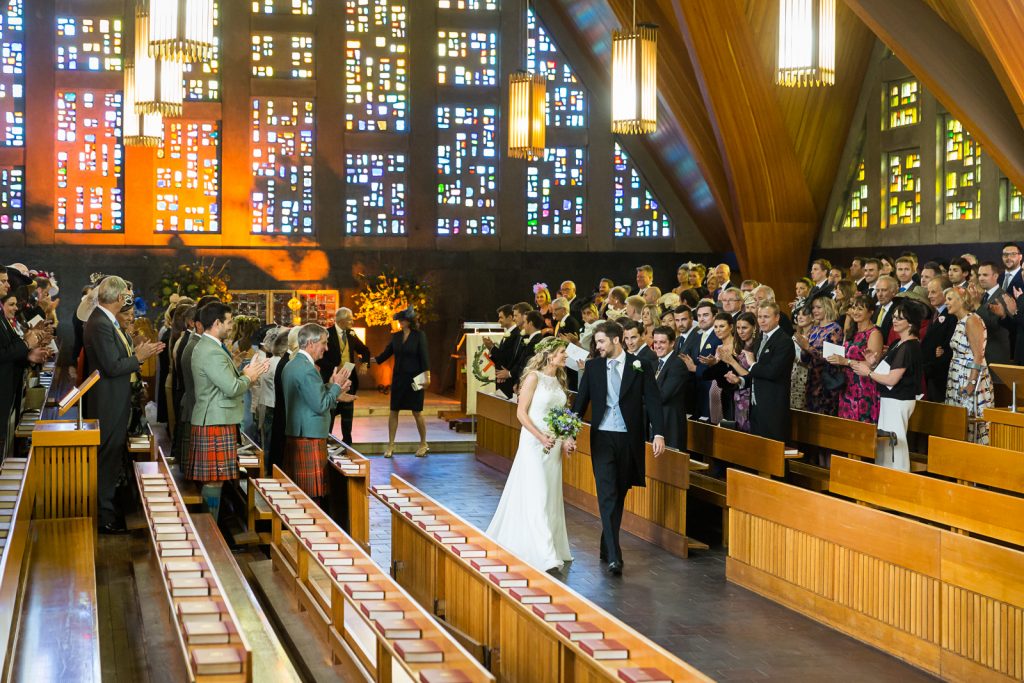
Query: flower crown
[551, 344]
[539, 287]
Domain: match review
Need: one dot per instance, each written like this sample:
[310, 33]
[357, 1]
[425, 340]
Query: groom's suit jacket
[639, 389]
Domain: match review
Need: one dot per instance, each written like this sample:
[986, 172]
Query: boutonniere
[942, 318]
[638, 366]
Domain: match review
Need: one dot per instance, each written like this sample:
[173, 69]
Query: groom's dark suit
[618, 457]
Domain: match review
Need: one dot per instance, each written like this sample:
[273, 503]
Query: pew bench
[933, 419]
[190, 491]
[349, 477]
[965, 462]
[766, 457]
[16, 503]
[206, 627]
[968, 509]
[369, 621]
[502, 607]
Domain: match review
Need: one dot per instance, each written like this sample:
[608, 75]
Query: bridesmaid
[859, 400]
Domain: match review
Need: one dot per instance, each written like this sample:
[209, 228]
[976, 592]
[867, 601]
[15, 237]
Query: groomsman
[672, 377]
[310, 404]
[769, 377]
[684, 325]
[343, 346]
[533, 323]
[504, 353]
[1012, 277]
[634, 343]
[702, 342]
[819, 276]
[107, 350]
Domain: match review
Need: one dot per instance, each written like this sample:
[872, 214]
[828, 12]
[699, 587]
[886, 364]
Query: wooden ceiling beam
[998, 26]
[770, 194]
[959, 77]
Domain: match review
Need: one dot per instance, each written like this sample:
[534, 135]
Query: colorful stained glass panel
[188, 177]
[282, 155]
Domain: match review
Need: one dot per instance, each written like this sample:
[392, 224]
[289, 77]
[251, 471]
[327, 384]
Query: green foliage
[193, 280]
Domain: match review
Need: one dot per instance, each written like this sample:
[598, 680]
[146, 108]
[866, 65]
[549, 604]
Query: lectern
[64, 455]
[1006, 425]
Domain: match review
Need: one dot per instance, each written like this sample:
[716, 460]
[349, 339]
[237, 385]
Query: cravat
[661, 366]
[613, 376]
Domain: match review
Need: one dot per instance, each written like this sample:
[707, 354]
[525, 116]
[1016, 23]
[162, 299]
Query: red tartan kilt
[305, 461]
[212, 453]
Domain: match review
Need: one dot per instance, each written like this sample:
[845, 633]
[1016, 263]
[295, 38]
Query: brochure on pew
[830, 349]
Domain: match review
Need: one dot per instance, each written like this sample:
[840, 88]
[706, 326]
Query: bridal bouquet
[563, 423]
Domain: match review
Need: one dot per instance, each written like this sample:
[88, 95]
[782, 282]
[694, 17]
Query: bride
[530, 519]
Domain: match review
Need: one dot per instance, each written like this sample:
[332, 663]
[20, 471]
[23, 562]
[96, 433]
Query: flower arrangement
[563, 423]
[381, 297]
[193, 280]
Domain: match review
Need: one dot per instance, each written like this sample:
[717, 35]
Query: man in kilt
[309, 403]
[219, 402]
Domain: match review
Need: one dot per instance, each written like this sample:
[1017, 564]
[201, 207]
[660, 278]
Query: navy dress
[410, 361]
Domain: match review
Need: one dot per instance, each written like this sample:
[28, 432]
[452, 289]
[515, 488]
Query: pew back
[998, 468]
[351, 470]
[846, 437]
[17, 506]
[938, 419]
[767, 457]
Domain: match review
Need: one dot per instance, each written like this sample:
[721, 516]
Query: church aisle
[725, 631]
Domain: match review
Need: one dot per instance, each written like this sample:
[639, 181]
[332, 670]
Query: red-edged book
[443, 676]
[324, 544]
[431, 527]
[449, 537]
[580, 630]
[364, 591]
[382, 609]
[410, 509]
[399, 629]
[416, 651]
[468, 550]
[344, 573]
[530, 596]
[488, 566]
[396, 498]
[551, 612]
[335, 558]
[509, 580]
[645, 674]
[604, 649]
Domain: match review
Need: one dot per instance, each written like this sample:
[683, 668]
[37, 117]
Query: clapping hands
[256, 369]
[341, 377]
[147, 350]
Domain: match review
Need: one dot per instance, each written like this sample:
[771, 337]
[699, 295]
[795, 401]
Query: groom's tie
[614, 381]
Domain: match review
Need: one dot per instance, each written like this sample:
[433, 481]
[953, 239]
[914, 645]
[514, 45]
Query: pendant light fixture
[138, 130]
[527, 111]
[158, 81]
[635, 79]
[181, 30]
[807, 43]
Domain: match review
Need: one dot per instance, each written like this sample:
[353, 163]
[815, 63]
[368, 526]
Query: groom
[621, 387]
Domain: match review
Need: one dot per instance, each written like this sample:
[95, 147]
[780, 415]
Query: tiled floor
[687, 606]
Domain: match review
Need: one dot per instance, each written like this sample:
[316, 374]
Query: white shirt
[219, 342]
[110, 315]
[704, 334]
[620, 367]
[302, 352]
[992, 291]
[1009, 275]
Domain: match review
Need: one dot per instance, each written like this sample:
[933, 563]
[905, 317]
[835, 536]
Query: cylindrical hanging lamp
[159, 88]
[635, 80]
[807, 43]
[527, 115]
[138, 130]
[181, 30]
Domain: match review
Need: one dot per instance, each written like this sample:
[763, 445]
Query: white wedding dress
[530, 519]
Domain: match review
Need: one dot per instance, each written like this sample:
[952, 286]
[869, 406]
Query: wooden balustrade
[509, 612]
[364, 615]
[948, 603]
[208, 630]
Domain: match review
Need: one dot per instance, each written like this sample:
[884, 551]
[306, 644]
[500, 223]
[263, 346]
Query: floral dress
[819, 398]
[859, 400]
[957, 391]
[798, 385]
[741, 401]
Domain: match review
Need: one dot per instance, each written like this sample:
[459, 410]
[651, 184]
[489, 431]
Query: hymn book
[647, 674]
[399, 629]
[443, 676]
[205, 632]
[580, 630]
[377, 609]
[551, 612]
[417, 651]
[216, 661]
[604, 649]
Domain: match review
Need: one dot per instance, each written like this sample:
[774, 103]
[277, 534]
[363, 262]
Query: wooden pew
[968, 508]
[190, 492]
[655, 513]
[838, 436]
[341, 587]
[17, 500]
[933, 419]
[947, 603]
[349, 474]
[767, 457]
[194, 593]
[515, 640]
[997, 468]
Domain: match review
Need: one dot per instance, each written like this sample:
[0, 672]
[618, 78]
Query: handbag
[833, 378]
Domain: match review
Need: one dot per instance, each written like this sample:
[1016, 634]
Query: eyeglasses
[1011, 253]
[898, 317]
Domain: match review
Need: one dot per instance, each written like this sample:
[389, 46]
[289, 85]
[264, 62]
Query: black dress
[410, 360]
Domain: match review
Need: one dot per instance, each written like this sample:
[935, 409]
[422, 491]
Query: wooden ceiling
[757, 162]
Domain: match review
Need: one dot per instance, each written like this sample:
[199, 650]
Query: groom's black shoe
[615, 568]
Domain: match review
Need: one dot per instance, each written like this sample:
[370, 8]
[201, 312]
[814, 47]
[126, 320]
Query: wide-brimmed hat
[17, 275]
[86, 306]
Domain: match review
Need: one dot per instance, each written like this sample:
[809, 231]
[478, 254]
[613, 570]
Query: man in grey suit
[188, 399]
[997, 348]
[107, 350]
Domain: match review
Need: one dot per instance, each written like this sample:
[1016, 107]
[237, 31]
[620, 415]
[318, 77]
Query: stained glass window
[375, 194]
[467, 170]
[554, 193]
[282, 7]
[281, 153]
[903, 103]
[202, 79]
[1014, 202]
[638, 212]
[904, 168]
[471, 5]
[467, 58]
[282, 55]
[12, 198]
[567, 102]
[856, 213]
[12, 74]
[376, 66]
[90, 194]
[962, 173]
[89, 44]
[188, 177]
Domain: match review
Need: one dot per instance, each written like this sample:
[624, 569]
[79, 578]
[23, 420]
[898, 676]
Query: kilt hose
[305, 461]
[213, 453]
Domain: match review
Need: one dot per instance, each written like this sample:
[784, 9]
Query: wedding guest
[748, 286]
[567, 291]
[935, 347]
[970, 258]
[672, 377]
[343, 347]
[567, 326]
[632, 339]
[969, 383]
[542, 299]
[644, 279]
[859, 397]
[697, 273]
[668, 302]
[750, 304]
[843, 295]
[768, 377]
[274, 345]
[1012, 277]
[604, 288]
[651, 295]
[634, 307]
[748, 337]
[803, 323]
[591, 319]
[409, 347]
[181, 331]
[668, 319]
[188, 397]
[219, 388]
[905, 271]
[280, 416]
[820, 285]
[723, 273]
[731, 301]
[823, 384]
[997, 347]
[900, 378]
[701, 344]
[765, 294]
[650, 316]
[872, 271]
[163, 364]
[888, 266]
[531, 336]
[17, 353]
[240, 344]
[885, 293]
[959, 271]
[683, 315]
[835, 275]
[719, 390]
[137, 415]
[311, 405]
[801, 289]
[503, 354]
[615, 305]
[857, 274]
[711, 289]
[682, 279]
[929, 272]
